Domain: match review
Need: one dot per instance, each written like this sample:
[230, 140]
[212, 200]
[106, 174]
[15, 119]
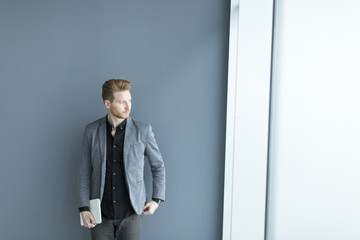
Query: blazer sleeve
[157, 166]
[84, 171]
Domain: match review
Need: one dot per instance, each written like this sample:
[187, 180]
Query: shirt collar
[120, 127]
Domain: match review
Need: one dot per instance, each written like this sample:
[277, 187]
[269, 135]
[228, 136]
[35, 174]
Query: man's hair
[114, 85]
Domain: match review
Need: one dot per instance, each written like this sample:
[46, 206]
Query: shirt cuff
[82, 209]
[158, 200]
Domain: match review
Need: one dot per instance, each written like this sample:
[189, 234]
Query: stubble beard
[121, 115]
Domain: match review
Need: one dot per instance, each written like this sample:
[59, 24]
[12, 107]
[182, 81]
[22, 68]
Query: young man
[111, 168]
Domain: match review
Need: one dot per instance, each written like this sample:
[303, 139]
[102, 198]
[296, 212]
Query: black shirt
[116, 201]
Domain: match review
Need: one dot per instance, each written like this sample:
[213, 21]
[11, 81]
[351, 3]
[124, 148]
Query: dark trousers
[126, 229]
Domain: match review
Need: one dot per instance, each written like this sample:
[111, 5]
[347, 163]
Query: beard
[121, 115]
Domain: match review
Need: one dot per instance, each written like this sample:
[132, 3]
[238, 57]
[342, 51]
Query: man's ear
[107, 103]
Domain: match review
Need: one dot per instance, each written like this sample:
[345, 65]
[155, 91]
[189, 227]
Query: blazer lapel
[128, 137]
[102, 141]
[102, 147]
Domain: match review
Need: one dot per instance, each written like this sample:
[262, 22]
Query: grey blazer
[139, 143]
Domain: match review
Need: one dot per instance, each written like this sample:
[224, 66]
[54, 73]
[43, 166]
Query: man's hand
[150, 208]
[88, 219]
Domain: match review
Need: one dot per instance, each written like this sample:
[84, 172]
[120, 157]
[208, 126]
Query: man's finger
[92, 221]
[89, 221]
[90, 225]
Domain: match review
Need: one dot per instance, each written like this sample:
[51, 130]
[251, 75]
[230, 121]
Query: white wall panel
[247, 119]
[314, 177]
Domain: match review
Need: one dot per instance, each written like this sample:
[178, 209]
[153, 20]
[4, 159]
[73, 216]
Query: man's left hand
[150, 208]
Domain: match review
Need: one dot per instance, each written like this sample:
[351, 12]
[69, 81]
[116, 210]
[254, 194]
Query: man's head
[117, 97]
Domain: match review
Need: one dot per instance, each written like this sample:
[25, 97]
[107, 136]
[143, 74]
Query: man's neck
[114, 121]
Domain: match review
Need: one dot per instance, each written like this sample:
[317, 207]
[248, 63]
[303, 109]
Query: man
[111, 168]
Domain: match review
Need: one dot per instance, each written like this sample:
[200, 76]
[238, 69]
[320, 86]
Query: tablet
[95, 209]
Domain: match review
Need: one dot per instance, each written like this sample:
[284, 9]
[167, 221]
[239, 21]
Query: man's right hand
[88, 219]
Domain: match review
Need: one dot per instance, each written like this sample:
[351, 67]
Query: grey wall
[54, 57]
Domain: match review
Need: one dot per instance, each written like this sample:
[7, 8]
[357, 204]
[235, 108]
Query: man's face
[120, 107]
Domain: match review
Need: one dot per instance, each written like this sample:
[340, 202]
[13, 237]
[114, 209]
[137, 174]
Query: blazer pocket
[138, 146]
[136, 157]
